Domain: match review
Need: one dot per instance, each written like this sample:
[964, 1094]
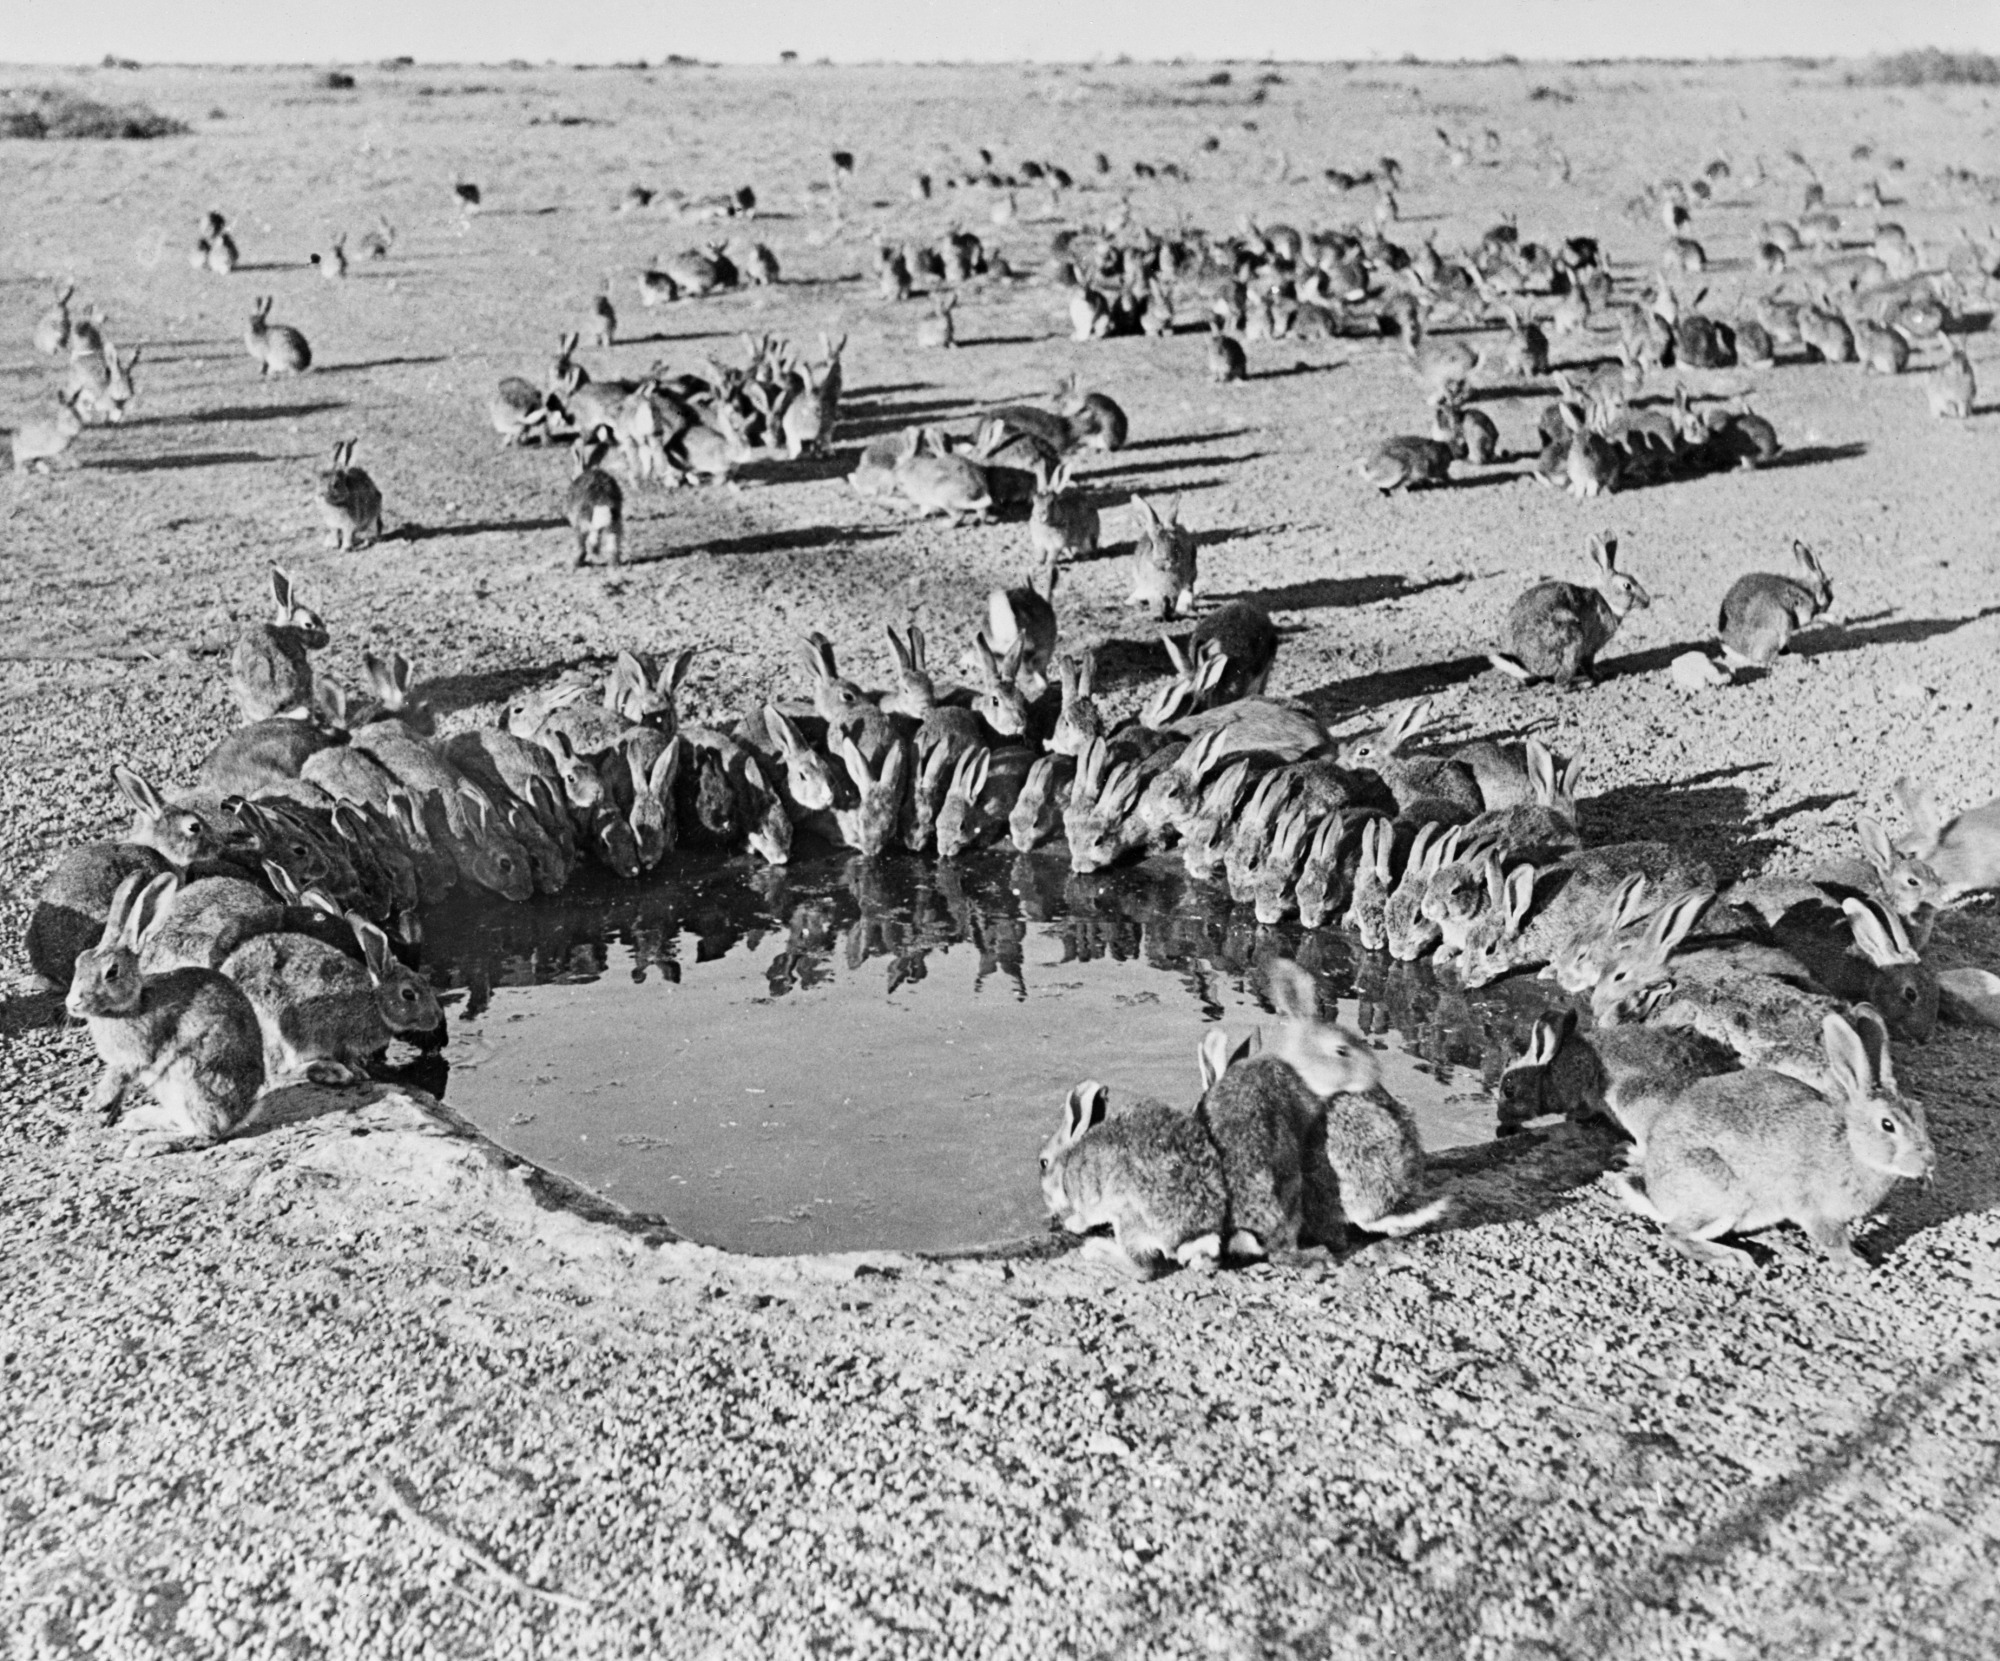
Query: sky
[755, 31]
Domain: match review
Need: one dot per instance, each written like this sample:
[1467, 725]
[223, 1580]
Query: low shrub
[52, 112]
[1931, 66]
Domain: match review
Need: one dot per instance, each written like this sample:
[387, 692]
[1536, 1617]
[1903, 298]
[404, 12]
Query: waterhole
[848, 1055]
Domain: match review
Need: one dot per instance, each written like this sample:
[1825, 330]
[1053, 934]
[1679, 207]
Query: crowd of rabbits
[266, 920]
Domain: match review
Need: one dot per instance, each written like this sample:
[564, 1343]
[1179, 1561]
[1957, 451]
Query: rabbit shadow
[173, 464]
[1832, 642]
[1387, 686]
[1128, 469]
[246, 412]
[378, 363]
[448, 694]
[1174, 441]
[1321, 592]
[1703, 815]
[488, 527]
[1812, 455]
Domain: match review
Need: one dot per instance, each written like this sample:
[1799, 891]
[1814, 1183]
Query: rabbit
[189, 1037]
[1950, 388]
[937, 329]
[1038, 810]
[1591, 465]
[90, 382]
[1406, 931]
[1271, 1132]
[1374, 881]
[202, 922]
[1163, 562]
[596, 505]
[1080, 720]
[119, 389]
[915, 693]
[1410, 463]
[1858, 951]
[1556, 629]
[1743, 1151]
[1100, 820]
[1965, 854]
[349, 501]
[75, 901]
[1241, 633]
[1272, 886]
[1468, 433]
[603, 320]
[977, 809]
[870, 824]
[943, 484]
[1624, 1074]
[322, 1014]
[1226, 359]
[1025, 616]
[1153, 1174]
[518, 410]
[41, 440]
[1208, 829]
[1250, 839]
[1063, 523]
[1371, 1138]
[1317, 889]
[1196, 686]
[1095, 421]
[270, 673]
[278, 348]
[1762, 611]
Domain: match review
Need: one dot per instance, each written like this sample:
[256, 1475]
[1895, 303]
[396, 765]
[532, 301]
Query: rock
[1693, 671]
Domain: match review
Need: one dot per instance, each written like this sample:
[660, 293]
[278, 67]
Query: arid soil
[357, 1385]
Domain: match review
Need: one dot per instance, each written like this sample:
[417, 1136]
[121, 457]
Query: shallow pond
[844, 1055]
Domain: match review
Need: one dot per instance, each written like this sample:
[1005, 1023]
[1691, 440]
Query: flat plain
[252, 1397]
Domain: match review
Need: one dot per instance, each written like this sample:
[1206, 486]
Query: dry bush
[52, 112]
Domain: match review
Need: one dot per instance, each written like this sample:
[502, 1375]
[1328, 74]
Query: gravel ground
[361, 1385]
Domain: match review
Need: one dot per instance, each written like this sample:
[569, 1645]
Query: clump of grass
[336, 80]
[53, 112]
[1931, 66]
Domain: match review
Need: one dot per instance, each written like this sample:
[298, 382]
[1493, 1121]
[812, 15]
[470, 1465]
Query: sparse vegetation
[1931, 66]
[53, 112]
[337, 80]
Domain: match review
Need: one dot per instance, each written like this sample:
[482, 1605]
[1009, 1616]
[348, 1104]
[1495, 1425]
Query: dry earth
[252, 1398]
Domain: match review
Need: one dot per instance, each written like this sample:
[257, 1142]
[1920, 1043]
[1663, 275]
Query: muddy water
[844, 1055]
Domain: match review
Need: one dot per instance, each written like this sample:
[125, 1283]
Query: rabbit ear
[142, 795]
[1847, 1059]
[120, 910]
[1084, 1110]
[1541, 772]
[1628, 904]
[281, 881]
[1543, 1042]
[1518, 894]
[374, 946]
[1875, 844]
[1086, 671]
[1214, 1056]
[149, 909]
[666, 768]
[1572, 776]
[1672, 921]
[1878, 932]
[1294, 992]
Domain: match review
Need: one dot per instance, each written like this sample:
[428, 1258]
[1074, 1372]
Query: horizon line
[113, 62]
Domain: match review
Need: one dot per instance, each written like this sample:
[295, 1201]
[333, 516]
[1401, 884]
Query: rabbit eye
[1909, 994]
[111, 971]
[1890, 1126]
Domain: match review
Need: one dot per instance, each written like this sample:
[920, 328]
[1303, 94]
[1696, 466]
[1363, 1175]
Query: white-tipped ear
[1519, 892]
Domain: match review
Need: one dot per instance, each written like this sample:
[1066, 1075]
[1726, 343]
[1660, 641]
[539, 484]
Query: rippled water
[846, 1055]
